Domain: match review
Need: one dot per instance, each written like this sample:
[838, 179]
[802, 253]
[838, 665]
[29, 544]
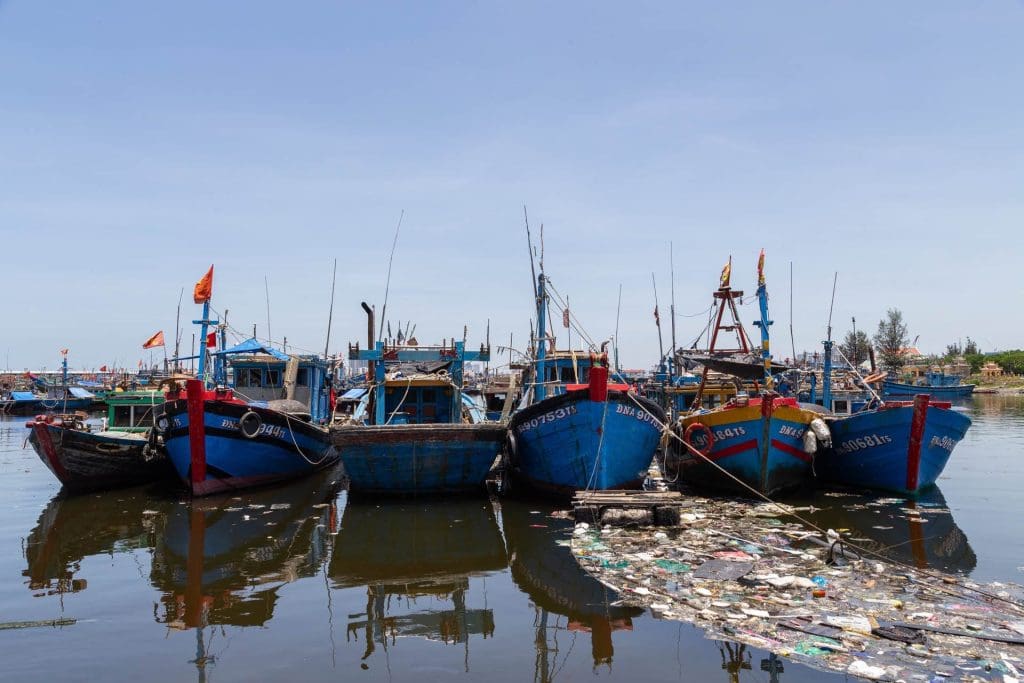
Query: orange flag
[760, 268]
[156, 340]
[204, 288]
[723, 280]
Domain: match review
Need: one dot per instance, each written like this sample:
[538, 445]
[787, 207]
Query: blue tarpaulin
[353, 394]
[253, 345]
[23, 396]
[78, 392]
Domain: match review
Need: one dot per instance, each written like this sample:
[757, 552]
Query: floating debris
[744, 573]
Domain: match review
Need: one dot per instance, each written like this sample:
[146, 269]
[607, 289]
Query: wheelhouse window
[302, 377]
[273, 378]
[248, 377]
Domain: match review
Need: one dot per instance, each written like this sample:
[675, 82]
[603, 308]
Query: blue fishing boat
[262, 425]
[414, 431]
[748, 444]
[121, 452]
[899, 446]
[574, 429]
[48, 398]
[938, 385]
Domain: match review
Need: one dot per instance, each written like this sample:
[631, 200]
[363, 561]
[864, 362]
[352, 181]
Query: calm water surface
[299, 583]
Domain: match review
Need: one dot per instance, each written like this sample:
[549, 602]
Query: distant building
[991, 369]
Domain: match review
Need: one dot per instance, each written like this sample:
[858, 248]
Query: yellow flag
[726, 272]
[760, 268]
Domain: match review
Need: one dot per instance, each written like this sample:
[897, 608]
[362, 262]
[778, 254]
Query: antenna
[177, 330]
[387, 286]
[835, 278]
[266, 288]
[529, 247]
[330, 315]
[672, 308]
[792, 340]
[657, 321]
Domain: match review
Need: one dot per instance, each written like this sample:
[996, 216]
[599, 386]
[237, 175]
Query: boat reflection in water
[73, 528]
[405, 551]
[544, 568]
[222, 559]
[920, 532]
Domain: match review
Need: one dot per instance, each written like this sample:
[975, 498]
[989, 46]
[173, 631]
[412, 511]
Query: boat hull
[418, 459]
[85, 461]
[738, 446]
[45, 405]
[569, 442]
[874, 449]
[285, 447]
[890, 388]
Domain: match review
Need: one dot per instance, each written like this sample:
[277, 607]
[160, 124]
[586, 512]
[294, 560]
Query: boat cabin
[133, 411]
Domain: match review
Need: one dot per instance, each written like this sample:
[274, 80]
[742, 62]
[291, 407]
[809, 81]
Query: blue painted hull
[285, 447]
[418, 459]
[871, 449]
[936, 392]
[738, 447]
[559, 446]
[45, 405]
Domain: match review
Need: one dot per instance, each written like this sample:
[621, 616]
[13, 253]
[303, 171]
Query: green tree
[890, 340]
[855, 346]
[971, 348]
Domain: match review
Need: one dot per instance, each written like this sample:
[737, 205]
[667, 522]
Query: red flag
[657, 318]
[140, 363]
[565, 318]
[103, 368]
[154, 341]
[760, 268]
[63, 352]
[204, 288]
[211, 340]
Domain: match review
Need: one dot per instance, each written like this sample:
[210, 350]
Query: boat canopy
[78, 392]
[23, 396]
[252, 345]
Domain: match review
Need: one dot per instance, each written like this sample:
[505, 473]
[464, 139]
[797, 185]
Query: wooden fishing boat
[414, 432]
[235, 437]
[900, 446]
[936, 384]
[124, 452]
[574, 429]
[749, 444]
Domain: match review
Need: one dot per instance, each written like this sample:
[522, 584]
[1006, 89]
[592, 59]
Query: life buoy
[250, 424]
[688, 434]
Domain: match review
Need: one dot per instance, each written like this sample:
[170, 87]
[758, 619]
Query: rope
[288, 419]
[806, 522]
[404, 396]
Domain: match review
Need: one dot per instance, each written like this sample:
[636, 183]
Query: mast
[764, 323]
[826, 385]
[541, 391]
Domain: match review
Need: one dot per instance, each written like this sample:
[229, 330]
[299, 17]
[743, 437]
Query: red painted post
[196, 393]
[916, 435]
[598, 383]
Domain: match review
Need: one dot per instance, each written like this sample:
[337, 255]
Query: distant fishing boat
[414, 431]
[938, 385]
[264, 428]
[748, 443]
[48, 398]
[124, 452]
[574, 429]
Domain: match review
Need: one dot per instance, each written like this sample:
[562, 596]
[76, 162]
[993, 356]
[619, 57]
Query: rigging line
[694, 315]
[803, 520]
[572, 316]
[387, 285]
[266, 288]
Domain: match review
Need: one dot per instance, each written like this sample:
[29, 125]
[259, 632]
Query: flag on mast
[204, 288]
[657, 317]
[760, 269]
[726, 273]
[154, 341]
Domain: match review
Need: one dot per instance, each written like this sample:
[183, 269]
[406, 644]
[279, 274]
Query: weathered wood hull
[418, 459]
[85, 461]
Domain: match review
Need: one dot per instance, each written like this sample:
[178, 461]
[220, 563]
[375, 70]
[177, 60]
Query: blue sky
[141, 142]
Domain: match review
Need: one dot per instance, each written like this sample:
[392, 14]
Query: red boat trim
[196, 430]
[916, 435]
[43, 434]
[791, 450]
[734, 449]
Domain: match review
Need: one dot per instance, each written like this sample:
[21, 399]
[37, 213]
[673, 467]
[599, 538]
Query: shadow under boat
[222, 559]
[402, 551]
[72, 528]
[544, 568]
[918, 531]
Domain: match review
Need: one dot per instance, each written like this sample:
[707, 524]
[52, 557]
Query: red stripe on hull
[733, 450]
[916, 435]
[43, 434]
[791, 450]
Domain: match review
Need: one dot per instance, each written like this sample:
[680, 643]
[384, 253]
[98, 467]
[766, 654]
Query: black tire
[162, 425]
[249, 424]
